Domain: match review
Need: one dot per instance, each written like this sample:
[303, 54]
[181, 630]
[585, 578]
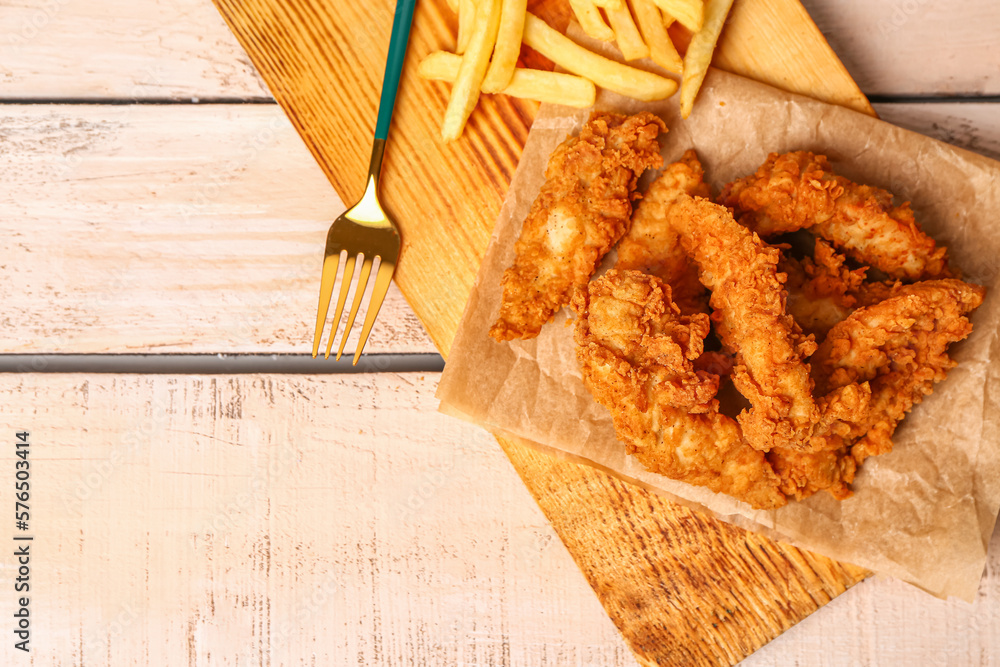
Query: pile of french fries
[490, 34]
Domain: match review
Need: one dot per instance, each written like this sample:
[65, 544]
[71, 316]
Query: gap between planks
[167, 229]
[218, 364]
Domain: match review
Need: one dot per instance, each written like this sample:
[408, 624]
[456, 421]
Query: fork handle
[394, 65]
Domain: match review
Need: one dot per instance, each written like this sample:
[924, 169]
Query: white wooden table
[154, 201]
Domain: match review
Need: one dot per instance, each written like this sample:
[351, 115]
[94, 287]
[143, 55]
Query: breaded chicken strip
[636, 354]
[652, 245]
[799, 191]
[899, 347]
[822, 290]
[804, 473]
[749, 302]
[583, 208]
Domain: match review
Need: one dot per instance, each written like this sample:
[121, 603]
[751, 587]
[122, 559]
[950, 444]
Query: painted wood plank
[181, 50]
[159, 228]
[915, 47]
[282, 520]
[113, 180]
[971, 125]
[163, 49]
[254, 520]
[885, 623]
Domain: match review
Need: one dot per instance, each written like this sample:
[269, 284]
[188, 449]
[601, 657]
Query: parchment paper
[923, 513]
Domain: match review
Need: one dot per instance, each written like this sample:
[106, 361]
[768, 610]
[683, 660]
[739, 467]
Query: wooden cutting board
[683, 588]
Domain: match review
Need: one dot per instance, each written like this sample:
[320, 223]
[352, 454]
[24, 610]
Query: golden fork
[364, 229]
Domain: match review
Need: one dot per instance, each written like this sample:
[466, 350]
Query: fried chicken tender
[899, 347]
[652, 245]
[799, 191]
[822, 290]
[804, 473]
[637, 355]
[749, 301]
[583, 208]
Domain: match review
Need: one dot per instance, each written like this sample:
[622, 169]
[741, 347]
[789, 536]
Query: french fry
[654, 31]
[610, 4]
[626, 34]
[699, 53]
[466, 19]
[566, 53]
[453, 5]
[508, 46]
[530, 84]
[689, 13]
[465, 92]
[590, 19]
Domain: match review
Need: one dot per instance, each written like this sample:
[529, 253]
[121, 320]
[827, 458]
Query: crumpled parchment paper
[923, 513]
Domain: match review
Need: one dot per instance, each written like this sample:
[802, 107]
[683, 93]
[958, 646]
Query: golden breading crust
[652, 245]
[899, 348]
[583, 208]
[816, 411]
[749, 302]
[799, 191]
[636, 353]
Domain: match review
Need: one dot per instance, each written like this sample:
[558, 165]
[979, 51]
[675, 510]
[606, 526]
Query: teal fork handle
[394, 65]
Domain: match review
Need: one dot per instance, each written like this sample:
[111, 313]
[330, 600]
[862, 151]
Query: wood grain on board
[323, 63]
[683, 588]
[157, 229]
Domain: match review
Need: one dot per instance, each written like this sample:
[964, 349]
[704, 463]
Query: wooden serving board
[682, 588]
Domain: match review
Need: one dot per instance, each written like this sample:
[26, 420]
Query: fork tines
[383, 276]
